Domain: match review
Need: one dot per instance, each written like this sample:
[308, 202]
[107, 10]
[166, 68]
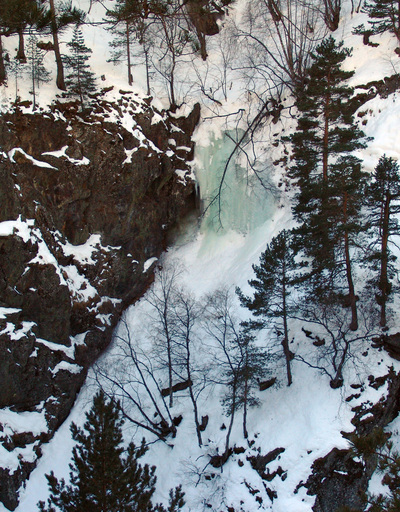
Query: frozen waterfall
[246, 201]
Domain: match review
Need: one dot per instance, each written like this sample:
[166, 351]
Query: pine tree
[249, 366]
[326, 126]
[326, 132]
[81, 80]
[377, 445]
[347, 195]
[275, 278]
[55, 19]
[38, 72]
[101, 479]
[129, 21]
[123, 19]
[383, 198]
[385, 16]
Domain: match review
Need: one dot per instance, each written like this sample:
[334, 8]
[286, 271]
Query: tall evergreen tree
[325, 127]
[55, 19]
[38, 73]
[347, 196]
[326, 132]
[275, 278]
[81, 80]
[102, 480]
[383, 198]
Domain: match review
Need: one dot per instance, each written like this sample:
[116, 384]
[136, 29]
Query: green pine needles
[328, 175]
[81, 80]
[104, 476]
[383, 199]
[385, 16]
[377, 445]
[273, 284]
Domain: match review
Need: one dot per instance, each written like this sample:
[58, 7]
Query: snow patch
[84, 253]
[66, 366]
[148, 263]
[62, 153]
[7, 311]
[37, 163]
[17, 227]
[16, 333]
[80, 287]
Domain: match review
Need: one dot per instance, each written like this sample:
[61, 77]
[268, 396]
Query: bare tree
[222, 327]
[187, 312]
[162, 298]
[215, 77]
[130, 377]
[238, 362]
[336, 343]
[279, 36]
[172, 44]
[332, 13]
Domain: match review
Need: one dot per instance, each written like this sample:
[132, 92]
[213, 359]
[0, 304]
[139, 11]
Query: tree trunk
[169, 355]
[173, 105]
[3, 74]
[60, 67]
[33, 84]
[192, 397]
[285, 342]
[21, 47]
[196, 417]
[274, 10]
[245, 395]
[233, 410]
[146, 55]
[128, 52]
[325, 148]
[350, 284]
[383, 279]
[332, 14]
[202, 40]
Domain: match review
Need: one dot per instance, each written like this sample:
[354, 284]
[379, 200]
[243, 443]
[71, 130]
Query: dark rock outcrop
[259, 463]
[204, 16]
[391, 343]
[337, 479]
[86, 202]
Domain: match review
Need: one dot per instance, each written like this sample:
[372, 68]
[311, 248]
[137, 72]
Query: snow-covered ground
[306, 419]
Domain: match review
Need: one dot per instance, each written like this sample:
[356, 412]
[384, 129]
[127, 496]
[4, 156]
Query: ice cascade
[244, 202]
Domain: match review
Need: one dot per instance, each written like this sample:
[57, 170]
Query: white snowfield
[307, 418]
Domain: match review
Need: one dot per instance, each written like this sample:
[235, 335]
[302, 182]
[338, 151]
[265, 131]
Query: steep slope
[297, 456]
[87, 200]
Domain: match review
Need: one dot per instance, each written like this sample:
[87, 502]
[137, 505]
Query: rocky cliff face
[86, 201]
